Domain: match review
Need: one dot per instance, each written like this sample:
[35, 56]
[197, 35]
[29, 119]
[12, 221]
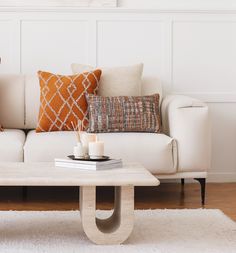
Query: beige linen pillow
[117, 81]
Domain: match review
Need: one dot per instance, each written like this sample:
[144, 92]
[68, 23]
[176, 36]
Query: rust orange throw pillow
[63, 100]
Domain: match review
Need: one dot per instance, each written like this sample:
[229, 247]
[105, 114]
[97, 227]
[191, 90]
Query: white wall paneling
[53, 44]
[204, 56]
[123, 41]
[190, 52]
[9, 45]
[5, 44]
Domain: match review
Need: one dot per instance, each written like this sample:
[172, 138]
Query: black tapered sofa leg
[24, 192]
[182, 181]
[202, 182]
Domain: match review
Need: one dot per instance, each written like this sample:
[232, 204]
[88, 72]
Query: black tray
[104, 158]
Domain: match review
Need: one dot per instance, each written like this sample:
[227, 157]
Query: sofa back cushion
[24, 91]
[32, 101]
[12, 101]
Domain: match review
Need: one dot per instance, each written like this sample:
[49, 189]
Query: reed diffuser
[79, 151]
[77, 130]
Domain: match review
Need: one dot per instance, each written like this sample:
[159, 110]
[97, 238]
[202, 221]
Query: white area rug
[155, 231]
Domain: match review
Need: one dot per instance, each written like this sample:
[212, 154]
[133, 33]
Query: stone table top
[46, 174]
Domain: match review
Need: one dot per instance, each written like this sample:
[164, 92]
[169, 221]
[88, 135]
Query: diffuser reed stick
[77, 130]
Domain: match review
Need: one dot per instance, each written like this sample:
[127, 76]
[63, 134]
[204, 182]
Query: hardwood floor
[221, 196]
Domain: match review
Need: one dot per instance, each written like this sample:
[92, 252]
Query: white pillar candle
[79, 150]
[96, 149]
[85, 139]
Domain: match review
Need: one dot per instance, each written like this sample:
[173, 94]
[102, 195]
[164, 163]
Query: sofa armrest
[187, 121]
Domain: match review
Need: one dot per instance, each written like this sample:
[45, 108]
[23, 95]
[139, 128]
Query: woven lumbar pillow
[63, 101]
[124, 114]
[116, 81]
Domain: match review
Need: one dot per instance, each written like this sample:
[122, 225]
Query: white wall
[190, 53]
[178, 4]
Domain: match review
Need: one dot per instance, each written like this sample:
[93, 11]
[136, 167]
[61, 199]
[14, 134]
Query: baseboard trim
[211, 178]
[221, 177]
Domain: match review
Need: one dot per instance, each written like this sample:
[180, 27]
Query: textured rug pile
[157, 231]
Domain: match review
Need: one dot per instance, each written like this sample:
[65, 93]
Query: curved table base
[117, 228]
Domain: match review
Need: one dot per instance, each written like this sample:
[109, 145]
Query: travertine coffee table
[114, 230]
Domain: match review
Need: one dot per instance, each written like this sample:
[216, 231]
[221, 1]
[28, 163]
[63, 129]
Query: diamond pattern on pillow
[62, 100]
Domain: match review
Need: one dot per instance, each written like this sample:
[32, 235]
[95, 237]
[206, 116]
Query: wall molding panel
[206, 50]
[60, 42]
[170, 36]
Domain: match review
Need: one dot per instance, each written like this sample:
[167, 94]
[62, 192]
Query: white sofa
[181, 151]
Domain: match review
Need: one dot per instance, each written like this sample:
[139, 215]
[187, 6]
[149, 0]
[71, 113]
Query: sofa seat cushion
[157, 152]
[45, 146]
[11, 145]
